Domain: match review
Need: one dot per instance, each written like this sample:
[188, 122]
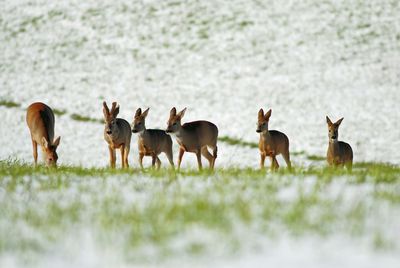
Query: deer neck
[114, 136]
[266, 135]
[180, 134]
[142, 133]
[334, 146]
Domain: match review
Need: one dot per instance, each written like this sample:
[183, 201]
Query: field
[223, 60]
[161, 217]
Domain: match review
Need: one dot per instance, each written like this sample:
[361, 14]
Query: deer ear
[172, 112]
[106, 111]
[268, 114]
[182, 113]
[328, 121]
[45, 143]
[339, 121]
[261, 114]
[146, 112]
[138, 112]
[116, 111]
[57, 141]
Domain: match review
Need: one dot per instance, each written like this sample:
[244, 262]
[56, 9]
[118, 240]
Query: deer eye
[174, 124]
[139, 123]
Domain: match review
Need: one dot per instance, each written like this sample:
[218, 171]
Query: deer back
[40, 120]
[155, 140]
[275, 141]
[339, 153]
[197, 134]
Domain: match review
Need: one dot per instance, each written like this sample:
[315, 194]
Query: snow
[83, 244]
[288, 252]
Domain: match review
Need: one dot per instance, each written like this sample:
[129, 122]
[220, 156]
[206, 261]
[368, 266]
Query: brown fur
[117, 133]
[151, 142]
[339, 153]
[194, 137]
[40, 120]
[272, 142]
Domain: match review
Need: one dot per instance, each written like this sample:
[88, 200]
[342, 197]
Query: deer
[151, 142]
[117, 133]
[40, 120]
[339, 153]
[195, 137]
[272, 142]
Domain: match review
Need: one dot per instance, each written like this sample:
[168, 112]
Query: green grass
[78, 117]
[239, 142]
[362, 171]
[9, 104]
[316, 158]
[59, 112]
[131, 208]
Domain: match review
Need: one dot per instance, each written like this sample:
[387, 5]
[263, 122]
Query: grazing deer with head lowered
[40, 120]
[339, 152]
[194, 137]
[117, 133]
[272, 142]
[151, 142]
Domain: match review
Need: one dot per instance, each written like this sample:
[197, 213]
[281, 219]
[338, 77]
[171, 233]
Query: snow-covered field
[223, 220]
[223, 60]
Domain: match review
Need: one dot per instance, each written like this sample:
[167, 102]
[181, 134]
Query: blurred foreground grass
[134, 209]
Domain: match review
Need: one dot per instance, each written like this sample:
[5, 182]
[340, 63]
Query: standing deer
[194, 137]
[151, 142]
[339, 152]
[272, 142]
[40, 120]
[117, 133]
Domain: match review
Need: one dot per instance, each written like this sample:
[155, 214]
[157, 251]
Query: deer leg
[170, 158]
[112, 156]
[126, 154]
[215, 152]
[158, 162]
[35, 154]
[262, 160]
[286, 157]
[181, 152]
[274, 163]
[208, 156]
[153, 160]
[141, 155]
[198, 155]
[123, 156]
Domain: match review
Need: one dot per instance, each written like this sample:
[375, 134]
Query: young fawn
[117, 133]
[40, 120]
[151, 142]
[272, 142]
[339, 152]
[194, 137]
